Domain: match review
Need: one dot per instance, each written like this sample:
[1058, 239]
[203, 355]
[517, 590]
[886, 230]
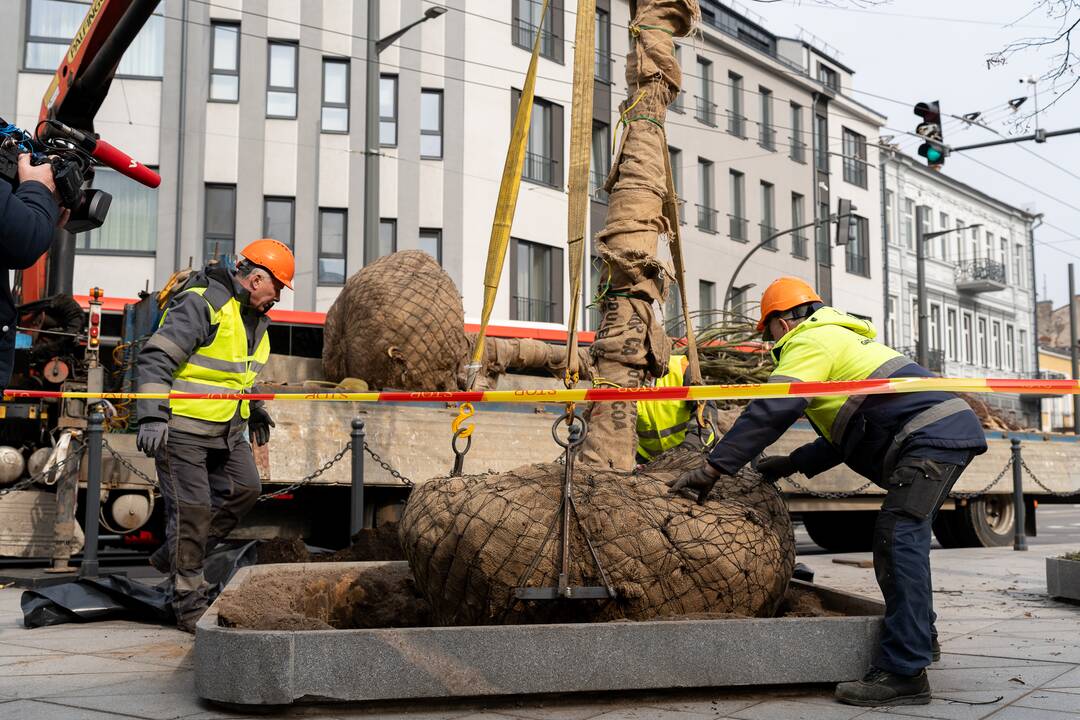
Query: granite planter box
[255, 667]
[1063, 578]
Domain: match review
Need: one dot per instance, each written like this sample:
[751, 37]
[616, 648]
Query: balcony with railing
[857, 264]
[679, 103]
[738, 228]
[596, 186]
[525, 35]
[705, 111]
[766, 136]
[535, 309]
[706, 218]
[799, 243]
[766, 232]
[855, 171]
[797, 152]
[935, 358]
[539, 168]
[604, 64]
[736, 124]
[979, 276]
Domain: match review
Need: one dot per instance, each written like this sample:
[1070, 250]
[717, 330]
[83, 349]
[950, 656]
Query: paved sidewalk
[1005, 643]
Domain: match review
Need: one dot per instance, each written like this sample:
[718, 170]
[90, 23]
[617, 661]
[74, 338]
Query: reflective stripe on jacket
[224, 365]
[662, 425]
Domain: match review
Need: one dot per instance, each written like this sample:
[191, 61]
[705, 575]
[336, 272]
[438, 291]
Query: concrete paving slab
[651, 713]
[1012, 647]
[1051, 700]
[711, 707]
[1024, 713]
[34, 710]
[951, 660]
[34, 686]
[152, 682]
[1069, 679]
[795, 710]
[157, 705]
[944, 682]
[940, 707]
[7, 649]
[17, 666]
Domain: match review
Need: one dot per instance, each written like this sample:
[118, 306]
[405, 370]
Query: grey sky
[912, 50]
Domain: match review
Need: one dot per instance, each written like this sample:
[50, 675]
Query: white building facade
[253, 113]
[979, 277]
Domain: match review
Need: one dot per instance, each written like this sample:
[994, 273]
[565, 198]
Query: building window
[431, 242]
[858, 250]
[821, 143]
[335, 95]
[935, 327]
[1005, 258]
[279, 215]
[828, 77]
[706, 302]
[535, 282]
[951, 340]
[959, 239]
[768, 214]
[798, 144]
[737, 222]
[798, 217]
[1021, 355]
[943, 240]
[53, 23]
[601, 161]
[822, 245]
[431, 124]
[526, 20]
[1010, 348]
[281, 81]
[387, 237]
[388, 110]
[707, 212]
[890, 325]
[887, 216]
[997, 343]
[974, 243]
[333, 231]
[603, 46]
[907, 224]
[736, 124]
[984, 357]
[678, 103]
[225, 62]
[989, 246]
[675, 158]
[766, 133]
[854, 147]
[705, 107]
[219, 223]
[132, 225]
[968, 346]
[543, 154]
[1018, 265]
[673, 314]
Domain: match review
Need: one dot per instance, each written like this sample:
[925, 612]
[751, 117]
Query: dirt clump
[800, 602]
[282, 550]
[316, 599]
[369, 545]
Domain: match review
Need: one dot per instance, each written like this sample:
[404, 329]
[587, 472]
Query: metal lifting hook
[465, 412]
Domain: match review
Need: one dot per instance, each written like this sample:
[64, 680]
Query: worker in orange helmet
[211, 339]
[912, 445]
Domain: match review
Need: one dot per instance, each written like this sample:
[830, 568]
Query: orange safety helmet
[273, 255]
[785, 293]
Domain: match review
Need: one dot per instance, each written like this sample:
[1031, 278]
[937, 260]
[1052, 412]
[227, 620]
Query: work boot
[880, 687]
[935, 650]
[187, 621]
[159, 560]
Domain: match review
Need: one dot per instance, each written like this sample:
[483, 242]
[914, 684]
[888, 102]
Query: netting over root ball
[469, 541]
[398, 323]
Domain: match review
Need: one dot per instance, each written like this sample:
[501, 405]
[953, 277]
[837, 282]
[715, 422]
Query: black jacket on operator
[28, 218]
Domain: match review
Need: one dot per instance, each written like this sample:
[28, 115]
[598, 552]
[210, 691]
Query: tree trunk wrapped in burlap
[631, 346]
[469, 541]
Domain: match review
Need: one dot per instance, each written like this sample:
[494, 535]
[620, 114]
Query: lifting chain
[124, 462]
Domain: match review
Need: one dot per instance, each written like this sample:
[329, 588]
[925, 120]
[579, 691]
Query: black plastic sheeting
[115, 597]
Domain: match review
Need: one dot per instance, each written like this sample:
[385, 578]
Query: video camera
[73, 171]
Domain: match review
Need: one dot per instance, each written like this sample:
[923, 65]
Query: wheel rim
[998, 513]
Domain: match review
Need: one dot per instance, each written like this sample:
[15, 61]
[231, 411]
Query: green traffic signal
[934, 155]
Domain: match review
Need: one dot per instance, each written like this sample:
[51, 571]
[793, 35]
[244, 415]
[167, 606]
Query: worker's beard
[265, 307]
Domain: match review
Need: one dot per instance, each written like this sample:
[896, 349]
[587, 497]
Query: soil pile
[470, 542]
[370, 544]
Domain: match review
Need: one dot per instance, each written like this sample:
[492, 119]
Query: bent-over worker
[212, 339]
[913, 445]
[665, 424]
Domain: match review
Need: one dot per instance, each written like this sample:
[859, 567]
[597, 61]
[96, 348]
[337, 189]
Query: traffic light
[933, 149]
[845, 222]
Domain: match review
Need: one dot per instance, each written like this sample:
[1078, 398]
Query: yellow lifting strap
[507, 204]
[581, 122]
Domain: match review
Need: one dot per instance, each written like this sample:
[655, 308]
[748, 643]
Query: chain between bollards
[95, 428]
[356, 500]
[1019, 541]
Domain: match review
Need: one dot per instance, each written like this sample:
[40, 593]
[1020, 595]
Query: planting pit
[358, 631]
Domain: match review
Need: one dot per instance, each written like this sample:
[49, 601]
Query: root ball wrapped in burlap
[470, 540]
[398, 323]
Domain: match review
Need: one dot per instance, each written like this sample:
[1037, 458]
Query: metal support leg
[1019, 541]
[94, 431]
[356, 503]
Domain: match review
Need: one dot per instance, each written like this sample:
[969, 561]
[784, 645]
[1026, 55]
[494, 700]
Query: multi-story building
[253, 113]
[979, 277]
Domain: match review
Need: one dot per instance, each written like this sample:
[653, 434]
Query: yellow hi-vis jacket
[222, 366]
[662, 425]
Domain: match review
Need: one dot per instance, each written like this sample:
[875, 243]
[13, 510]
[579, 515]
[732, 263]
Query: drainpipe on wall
[884, 246]
[182, 133]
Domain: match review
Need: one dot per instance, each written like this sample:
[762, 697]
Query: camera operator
[28, 216]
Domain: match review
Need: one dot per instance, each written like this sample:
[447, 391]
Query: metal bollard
[94, 431]
[356, 502]
[1019, 541]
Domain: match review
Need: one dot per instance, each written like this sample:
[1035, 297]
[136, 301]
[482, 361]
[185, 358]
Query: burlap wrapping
[469, 541]
[398, 323]
[502, 355]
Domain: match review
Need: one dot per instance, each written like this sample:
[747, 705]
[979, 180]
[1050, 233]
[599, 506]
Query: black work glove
[153, 434]
[700, 481]
[259, 424]
[775, 467]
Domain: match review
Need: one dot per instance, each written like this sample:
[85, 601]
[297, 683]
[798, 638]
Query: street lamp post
[922, 345]
[371, 124]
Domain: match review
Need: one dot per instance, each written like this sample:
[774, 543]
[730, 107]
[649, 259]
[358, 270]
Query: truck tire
[842, 531]
[985, 521]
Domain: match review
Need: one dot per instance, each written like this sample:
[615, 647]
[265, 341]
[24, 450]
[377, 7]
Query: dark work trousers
[916, 490]
[206, 491]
